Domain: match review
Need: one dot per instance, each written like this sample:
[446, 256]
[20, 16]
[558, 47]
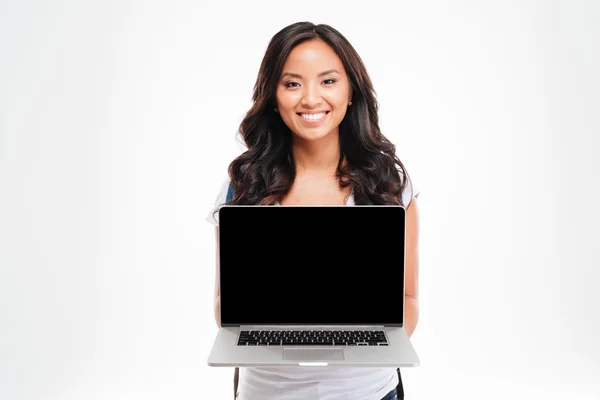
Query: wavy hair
[263, 174]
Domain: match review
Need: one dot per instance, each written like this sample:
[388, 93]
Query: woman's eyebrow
[293, 75]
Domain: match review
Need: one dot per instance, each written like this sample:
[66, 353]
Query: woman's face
[313, 92]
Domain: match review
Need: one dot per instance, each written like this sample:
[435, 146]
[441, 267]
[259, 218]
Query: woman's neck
[317, 157]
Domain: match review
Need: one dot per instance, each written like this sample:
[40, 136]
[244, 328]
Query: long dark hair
[263, 174]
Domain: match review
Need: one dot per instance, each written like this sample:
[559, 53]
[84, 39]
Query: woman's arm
[411, 291]
[217, 302]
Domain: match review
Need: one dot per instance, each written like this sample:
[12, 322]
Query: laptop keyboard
[312, 338]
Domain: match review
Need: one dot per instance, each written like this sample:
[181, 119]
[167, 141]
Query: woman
[312, 137]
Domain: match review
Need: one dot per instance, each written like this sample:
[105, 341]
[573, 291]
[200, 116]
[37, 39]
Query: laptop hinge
[310, 327]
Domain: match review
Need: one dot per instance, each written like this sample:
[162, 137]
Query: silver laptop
[312, 286]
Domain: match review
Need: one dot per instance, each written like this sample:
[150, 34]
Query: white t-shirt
[318, 383]
[410, 192]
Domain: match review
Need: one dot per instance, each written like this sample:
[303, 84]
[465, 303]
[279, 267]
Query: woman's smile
[312, 119]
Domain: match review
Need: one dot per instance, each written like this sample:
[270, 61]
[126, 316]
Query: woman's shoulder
[213, 215]
[409, 192]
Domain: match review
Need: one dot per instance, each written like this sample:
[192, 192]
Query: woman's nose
[312, 96]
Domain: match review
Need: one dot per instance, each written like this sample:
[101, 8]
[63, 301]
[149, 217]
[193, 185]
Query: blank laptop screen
[309, 265]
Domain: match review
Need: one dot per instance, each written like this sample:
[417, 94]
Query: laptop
[312, 286]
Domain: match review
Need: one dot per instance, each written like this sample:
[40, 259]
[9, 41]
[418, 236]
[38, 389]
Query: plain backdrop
[118, 120]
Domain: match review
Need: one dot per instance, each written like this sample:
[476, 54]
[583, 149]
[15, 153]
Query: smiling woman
[313, 94]
[313, 138]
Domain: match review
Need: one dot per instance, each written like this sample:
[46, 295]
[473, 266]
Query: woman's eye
[329, 81]
[292, 84]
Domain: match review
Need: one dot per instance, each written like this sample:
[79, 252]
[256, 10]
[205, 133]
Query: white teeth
[313, 117]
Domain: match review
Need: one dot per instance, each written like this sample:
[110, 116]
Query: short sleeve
[213, 215]
[409, 193]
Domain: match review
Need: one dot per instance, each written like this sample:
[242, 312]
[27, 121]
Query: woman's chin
[312, 134]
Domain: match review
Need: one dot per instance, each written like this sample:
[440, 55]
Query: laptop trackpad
[313, 354]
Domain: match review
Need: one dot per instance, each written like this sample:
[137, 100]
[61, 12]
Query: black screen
[312, 264]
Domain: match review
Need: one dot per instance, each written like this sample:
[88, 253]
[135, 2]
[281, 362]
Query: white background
[118, 122]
